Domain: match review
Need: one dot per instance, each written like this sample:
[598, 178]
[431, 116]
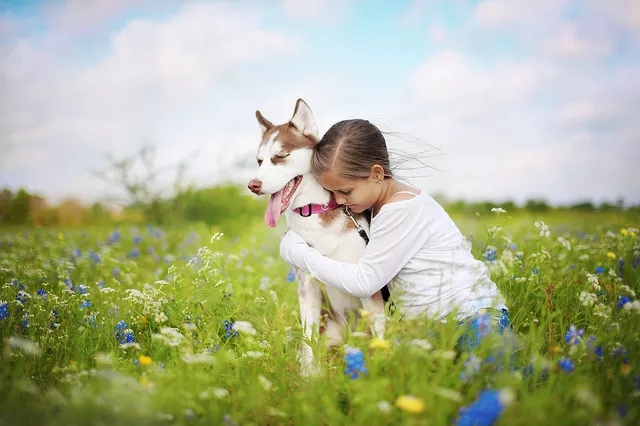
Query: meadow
[143, 325]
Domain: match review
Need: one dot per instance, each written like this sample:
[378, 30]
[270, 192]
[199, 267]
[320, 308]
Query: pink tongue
[273, 209]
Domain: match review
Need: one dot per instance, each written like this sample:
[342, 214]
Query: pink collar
[309, 209]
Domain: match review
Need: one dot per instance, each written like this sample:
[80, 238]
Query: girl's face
[359, 195]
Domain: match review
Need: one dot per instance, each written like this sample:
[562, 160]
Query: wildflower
[449, 394]
[144, 360]
[600, 270]
[384, 406]
[123, 333]
[612, 255]
[471, 368]
[498, 210]
[623, 300]
[220, 393]
[410, 404]
[490, 254]
[42, 293]
[264, 382]
[573, 335]
[291, 275]
[624, 232]
[635, 305]
[566, 364]
[201, 358]
[4, 310]
[24, 345]
[243, 327]
[379, 344]
[543, 228]
[486, 409]
[22, 296]
[355, 362]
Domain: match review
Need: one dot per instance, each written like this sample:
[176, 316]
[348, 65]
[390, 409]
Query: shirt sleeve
[397, 236]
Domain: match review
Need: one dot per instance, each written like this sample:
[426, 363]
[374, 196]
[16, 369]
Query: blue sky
[511, 99]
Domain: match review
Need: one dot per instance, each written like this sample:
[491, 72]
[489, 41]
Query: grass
[65, 292]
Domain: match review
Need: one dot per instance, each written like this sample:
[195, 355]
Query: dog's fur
[284, 155]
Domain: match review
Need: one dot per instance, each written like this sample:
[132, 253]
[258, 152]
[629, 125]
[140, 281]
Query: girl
[414, 245]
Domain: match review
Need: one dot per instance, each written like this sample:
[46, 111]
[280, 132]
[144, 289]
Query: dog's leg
[375, 305]
[310, 299]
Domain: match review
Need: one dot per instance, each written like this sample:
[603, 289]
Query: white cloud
[512, 14]
[323, 12]
[154, 77]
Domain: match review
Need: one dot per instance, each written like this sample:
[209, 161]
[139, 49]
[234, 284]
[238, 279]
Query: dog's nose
[255, 185]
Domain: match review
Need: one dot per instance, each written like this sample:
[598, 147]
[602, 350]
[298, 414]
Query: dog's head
[284, 158]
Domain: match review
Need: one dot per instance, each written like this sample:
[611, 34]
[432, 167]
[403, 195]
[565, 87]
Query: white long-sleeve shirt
[416, 248]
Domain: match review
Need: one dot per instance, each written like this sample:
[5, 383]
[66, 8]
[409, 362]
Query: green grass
[78, 373]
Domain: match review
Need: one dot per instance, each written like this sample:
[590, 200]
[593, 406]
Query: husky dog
[284, 173]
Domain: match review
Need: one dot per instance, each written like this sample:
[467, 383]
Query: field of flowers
[148, 326]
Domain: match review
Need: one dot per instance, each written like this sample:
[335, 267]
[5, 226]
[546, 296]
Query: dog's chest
[325, 236]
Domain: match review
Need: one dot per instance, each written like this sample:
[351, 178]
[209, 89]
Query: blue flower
[600, 270]
[483, 412]
[623, 300]
[228, 328]
[123, 333]
[21, 297]
[566, 364]
[355, 363]
[4, 310]
[85, 304]
[490, 254]
[114, 237]
[83, 289]
[535, 271]
[291, 276]
[573, 335]
[597, 350]
[116, 271]
[137, 239]
[69, 283]
[95, 257]
[42, 293]
[134, 253]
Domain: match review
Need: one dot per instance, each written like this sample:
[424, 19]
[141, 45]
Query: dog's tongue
[274, 207]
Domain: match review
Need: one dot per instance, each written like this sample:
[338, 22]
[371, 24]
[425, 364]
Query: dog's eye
[283, 155]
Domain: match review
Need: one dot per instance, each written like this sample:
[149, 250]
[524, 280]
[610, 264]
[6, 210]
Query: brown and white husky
[284, 173]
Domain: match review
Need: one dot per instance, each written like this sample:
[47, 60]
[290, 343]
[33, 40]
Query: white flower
[542, 227]
[587, 299]
[220, 393]
[602, 311]
[24, 345]
[565, 243]
[384, 406]
[498, 210]
[450, 394]
[632, 306]
[202, 358]
[266, 384]
[170, 336]
[244, 327]
[254, 354]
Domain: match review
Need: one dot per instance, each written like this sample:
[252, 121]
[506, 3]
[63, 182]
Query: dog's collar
[309, 209]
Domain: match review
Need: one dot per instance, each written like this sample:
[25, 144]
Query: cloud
[324, 12]
[153, 75]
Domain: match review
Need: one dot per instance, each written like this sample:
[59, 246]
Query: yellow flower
[378, 343]
[143, 320]
[632, 234]
[624, 231]
[556, 349]
[144, 360]
[410, 404]
[60, 236]
[612, 255]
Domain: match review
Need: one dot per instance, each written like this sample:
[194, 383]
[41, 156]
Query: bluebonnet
[228, 328]
[490, 254]
[623, 300]
[114, 237]
[573, 336]
[137, 239]
[123, 333]
[25, 321]
[600, 270]
[85, 304]
[21, 297]
[95, 257]
[355, 363]
[42, 293]
[83, 289]
[566, 364]
[483, 412]
[134, 253]
[4, 310]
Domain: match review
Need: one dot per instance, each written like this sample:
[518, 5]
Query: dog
[284, 173]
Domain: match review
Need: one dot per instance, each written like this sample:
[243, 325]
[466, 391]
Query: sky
[493, 99]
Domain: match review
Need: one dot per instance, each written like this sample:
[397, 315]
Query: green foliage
[175, 288]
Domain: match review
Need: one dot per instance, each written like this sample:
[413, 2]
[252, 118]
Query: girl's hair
[351, 148]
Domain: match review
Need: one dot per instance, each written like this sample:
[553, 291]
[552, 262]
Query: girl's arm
[396, 238]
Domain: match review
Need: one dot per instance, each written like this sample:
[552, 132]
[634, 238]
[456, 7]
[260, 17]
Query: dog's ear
[303, 120]
[264, 123]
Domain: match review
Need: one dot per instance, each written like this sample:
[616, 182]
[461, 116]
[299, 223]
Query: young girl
[414, 245]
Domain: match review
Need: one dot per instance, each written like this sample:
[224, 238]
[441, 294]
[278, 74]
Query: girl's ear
[377, 173]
